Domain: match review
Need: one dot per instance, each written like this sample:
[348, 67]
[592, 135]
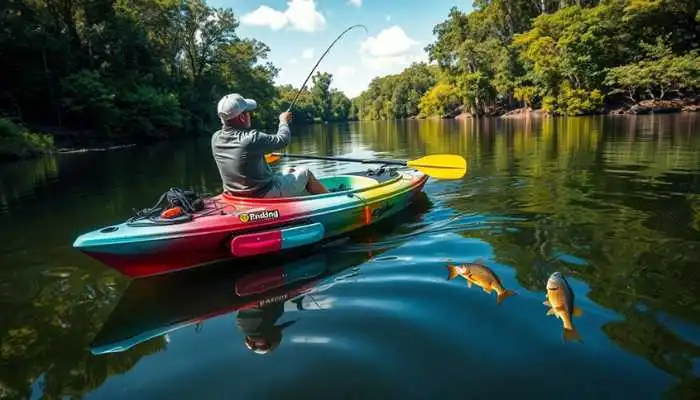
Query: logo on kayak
[379, 211]
[263, 215]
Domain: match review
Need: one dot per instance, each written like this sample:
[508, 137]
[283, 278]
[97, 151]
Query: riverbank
[643, 107]
[20, 143]
[17, 142]
[687, 105]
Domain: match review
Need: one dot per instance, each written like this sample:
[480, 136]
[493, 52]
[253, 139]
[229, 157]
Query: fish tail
[452, 272]
[571, 334]
[503, 295]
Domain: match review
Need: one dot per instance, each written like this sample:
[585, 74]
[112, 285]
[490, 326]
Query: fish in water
[479, 274]
[560, 299]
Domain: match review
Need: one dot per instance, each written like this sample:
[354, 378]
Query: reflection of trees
[613, 192]
[19, 178]
[619, 204]
[50, 344]
[641, 333]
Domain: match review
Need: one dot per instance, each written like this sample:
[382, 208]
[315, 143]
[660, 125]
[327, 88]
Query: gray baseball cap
[233, 105]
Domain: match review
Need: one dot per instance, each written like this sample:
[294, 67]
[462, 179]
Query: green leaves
[397, 96]
[17, 142]
[567, 56]
[655, 78]
[128, 70]
[439, 100]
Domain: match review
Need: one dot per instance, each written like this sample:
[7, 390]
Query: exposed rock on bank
[660, 107]
[525, 112]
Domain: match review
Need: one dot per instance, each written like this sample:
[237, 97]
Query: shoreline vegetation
[106, 74]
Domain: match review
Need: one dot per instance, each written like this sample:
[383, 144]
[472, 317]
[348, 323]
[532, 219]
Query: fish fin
[469, 283]
[546, 303]
[550, 311]
[571, 334]
[577, 312]
[505, 294]
[453, 272]
[478, 261]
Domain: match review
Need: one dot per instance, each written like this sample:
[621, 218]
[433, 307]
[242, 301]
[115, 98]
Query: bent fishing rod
[319, 60]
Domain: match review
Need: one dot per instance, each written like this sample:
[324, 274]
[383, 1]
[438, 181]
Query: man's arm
[265, 143]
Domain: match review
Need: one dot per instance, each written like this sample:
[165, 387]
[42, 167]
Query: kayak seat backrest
[341, 183]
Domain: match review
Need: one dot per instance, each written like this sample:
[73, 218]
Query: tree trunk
[52, 95]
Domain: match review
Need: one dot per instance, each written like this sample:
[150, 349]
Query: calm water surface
[611, 202]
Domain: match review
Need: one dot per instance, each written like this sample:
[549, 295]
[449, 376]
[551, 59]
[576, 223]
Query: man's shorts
[289, 184]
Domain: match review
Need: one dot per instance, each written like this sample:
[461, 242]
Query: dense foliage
[396, 96]
[123, 70]
[566, 57]
[118, 70]
[17, 141]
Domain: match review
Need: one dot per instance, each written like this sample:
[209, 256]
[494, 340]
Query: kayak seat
[341, 183]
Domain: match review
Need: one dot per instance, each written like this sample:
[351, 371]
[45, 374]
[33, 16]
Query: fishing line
[319, 60]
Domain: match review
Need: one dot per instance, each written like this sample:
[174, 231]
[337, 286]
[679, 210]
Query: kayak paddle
[438, 166]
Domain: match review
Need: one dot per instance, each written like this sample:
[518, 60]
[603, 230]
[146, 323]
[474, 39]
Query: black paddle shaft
[346, 159]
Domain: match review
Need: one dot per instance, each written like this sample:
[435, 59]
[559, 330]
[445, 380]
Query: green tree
[321, 95]
[439, 101]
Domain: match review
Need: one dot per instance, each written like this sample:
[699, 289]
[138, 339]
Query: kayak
[230, 227]
[153, 307]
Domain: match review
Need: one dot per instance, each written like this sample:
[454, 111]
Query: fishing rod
[319, 60]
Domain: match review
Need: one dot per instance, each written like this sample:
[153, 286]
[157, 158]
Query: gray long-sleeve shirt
[239, 155]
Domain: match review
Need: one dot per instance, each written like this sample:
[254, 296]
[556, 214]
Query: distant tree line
[135, 70]
[568, 57]
[127, 70]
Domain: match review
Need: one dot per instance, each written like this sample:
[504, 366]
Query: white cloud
[345, 79]
[356, 3]
[308, 53]
[300, 15]
[390, 42]
[265, 16]
[392, 65]
[391, 51]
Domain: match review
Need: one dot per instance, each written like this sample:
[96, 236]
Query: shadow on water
[612, 203]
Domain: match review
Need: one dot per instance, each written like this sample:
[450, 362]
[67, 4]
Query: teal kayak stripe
[302, 235]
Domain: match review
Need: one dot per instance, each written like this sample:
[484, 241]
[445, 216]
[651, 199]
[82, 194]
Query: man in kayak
[239, 153]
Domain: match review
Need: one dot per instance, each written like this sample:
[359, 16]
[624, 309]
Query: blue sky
[298, 31]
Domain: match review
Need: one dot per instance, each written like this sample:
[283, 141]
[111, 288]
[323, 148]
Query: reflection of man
[258, 325]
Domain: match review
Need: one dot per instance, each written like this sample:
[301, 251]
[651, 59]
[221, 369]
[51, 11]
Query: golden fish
[479, 274]
[560, 298]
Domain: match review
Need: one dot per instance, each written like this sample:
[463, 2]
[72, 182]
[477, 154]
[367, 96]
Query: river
[613, 202]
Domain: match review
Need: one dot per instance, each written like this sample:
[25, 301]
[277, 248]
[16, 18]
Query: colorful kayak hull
[231, 227]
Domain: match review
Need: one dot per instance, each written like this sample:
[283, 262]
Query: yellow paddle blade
[441, 166]
[271, 158]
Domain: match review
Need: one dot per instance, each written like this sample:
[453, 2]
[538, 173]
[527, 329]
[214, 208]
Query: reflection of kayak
[155, 306]
[234, 227]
